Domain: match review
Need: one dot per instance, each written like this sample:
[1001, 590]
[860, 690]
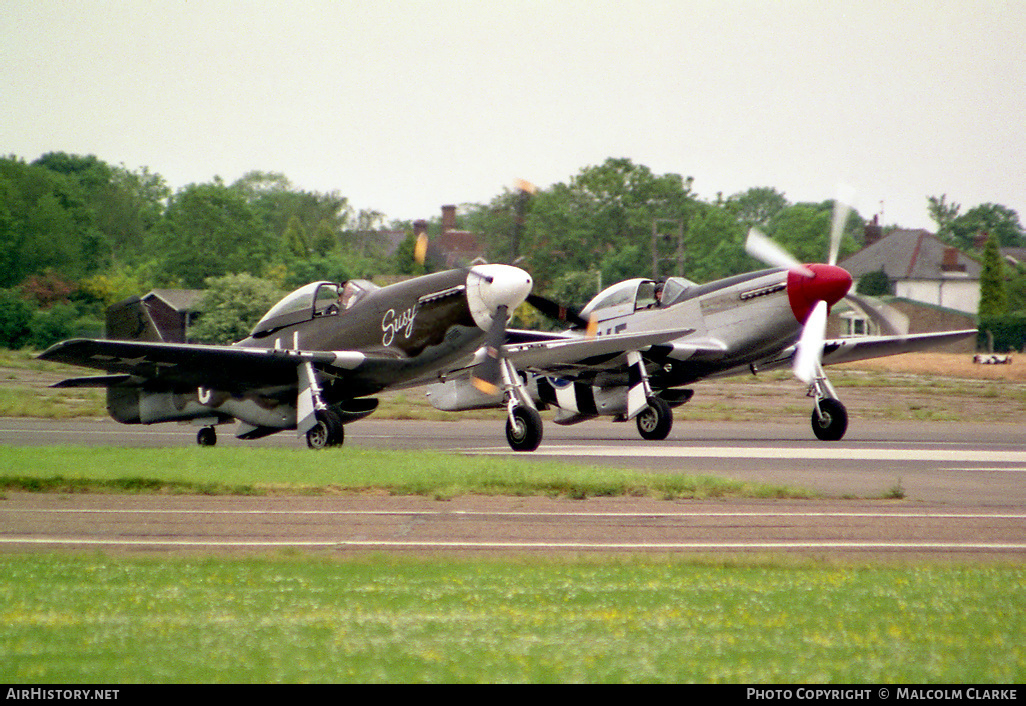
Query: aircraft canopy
[634, 294]
[310, 301]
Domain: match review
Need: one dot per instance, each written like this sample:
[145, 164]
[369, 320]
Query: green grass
[122, 620]
[263, 470]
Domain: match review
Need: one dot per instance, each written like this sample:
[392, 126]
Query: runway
[964, 488]
[959, 463]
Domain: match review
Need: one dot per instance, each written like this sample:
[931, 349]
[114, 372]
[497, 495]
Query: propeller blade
[766, 251]
[525, 186]
[810, 346]
[526, 189]
[842, 206]
[420, 248]
[555, 310]
[487, 375]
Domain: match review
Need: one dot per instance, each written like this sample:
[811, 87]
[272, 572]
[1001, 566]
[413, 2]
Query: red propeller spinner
[820, 282]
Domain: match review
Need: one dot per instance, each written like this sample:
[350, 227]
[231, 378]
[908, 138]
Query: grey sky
[404, 106]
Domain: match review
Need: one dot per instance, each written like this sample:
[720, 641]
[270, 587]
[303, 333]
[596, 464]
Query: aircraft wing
[229, 368]
[567, 350]
[846, 350]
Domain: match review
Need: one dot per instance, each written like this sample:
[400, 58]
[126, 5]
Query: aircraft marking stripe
[768, 452]
[935, 546]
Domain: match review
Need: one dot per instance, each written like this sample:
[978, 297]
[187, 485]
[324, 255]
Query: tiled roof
[912, 254]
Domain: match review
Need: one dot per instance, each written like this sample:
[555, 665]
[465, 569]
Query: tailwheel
[655, 421]
[829, 419]
[207, 436]
[524, 428]
[328, 431]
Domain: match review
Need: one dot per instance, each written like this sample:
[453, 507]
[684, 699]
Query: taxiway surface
[964, 488]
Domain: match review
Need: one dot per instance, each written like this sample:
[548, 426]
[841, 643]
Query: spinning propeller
[488, 373]
[493, 292]
[812, 289]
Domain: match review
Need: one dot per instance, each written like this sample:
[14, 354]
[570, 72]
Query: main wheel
[328, 431]
[524, 429]
[830, 420]
[655, 421]
[337, 430]
[207, 436]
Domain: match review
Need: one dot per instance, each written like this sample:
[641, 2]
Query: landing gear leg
[321, 425]
[829, 416]
[652, 414]
[524, 424]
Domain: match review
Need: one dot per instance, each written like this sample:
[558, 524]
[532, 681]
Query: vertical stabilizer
[130, 320]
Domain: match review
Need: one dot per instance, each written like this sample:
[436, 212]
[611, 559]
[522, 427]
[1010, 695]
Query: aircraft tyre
[830, 420]
[207, 436]
[524, 429]
[328, 431]
[655, 421]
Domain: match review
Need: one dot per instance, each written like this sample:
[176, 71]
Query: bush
[15, 320]
[49, 326]
[231, 306]
[874, 284]
[1008, 330]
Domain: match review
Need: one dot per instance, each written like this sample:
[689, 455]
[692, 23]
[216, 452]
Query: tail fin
[130, 320]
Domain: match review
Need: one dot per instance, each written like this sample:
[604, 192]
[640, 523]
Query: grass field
[89, 618]
[296, 617]
[250, 470]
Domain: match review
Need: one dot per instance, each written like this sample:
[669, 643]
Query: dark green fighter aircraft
[315, 360]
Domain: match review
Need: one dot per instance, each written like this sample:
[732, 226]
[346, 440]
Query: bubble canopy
[310, 301]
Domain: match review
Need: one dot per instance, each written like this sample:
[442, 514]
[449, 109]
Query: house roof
[1015, 256]
[912, 254]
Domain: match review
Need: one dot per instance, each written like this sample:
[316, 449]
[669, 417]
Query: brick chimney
[448, 218]
[419, 227]
[872, 233]
[950, 262]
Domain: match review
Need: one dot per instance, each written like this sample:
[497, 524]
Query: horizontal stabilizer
[94, 381]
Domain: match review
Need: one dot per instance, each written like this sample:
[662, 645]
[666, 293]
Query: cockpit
[637, 294]
[312, 301]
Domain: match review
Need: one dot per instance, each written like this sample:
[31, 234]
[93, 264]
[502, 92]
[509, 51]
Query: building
[455, 248]
[921, 268]
[934, 286]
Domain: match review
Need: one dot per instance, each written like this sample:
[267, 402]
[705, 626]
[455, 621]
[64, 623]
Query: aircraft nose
[503, 285]
[828, 283]
[492, 286]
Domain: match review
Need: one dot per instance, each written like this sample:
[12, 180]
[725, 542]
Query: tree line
[78, 234]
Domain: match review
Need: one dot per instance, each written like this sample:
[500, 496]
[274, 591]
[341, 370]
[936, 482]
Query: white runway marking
[984, 469]
[341, 544]
[518, 513]
[832, 453]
